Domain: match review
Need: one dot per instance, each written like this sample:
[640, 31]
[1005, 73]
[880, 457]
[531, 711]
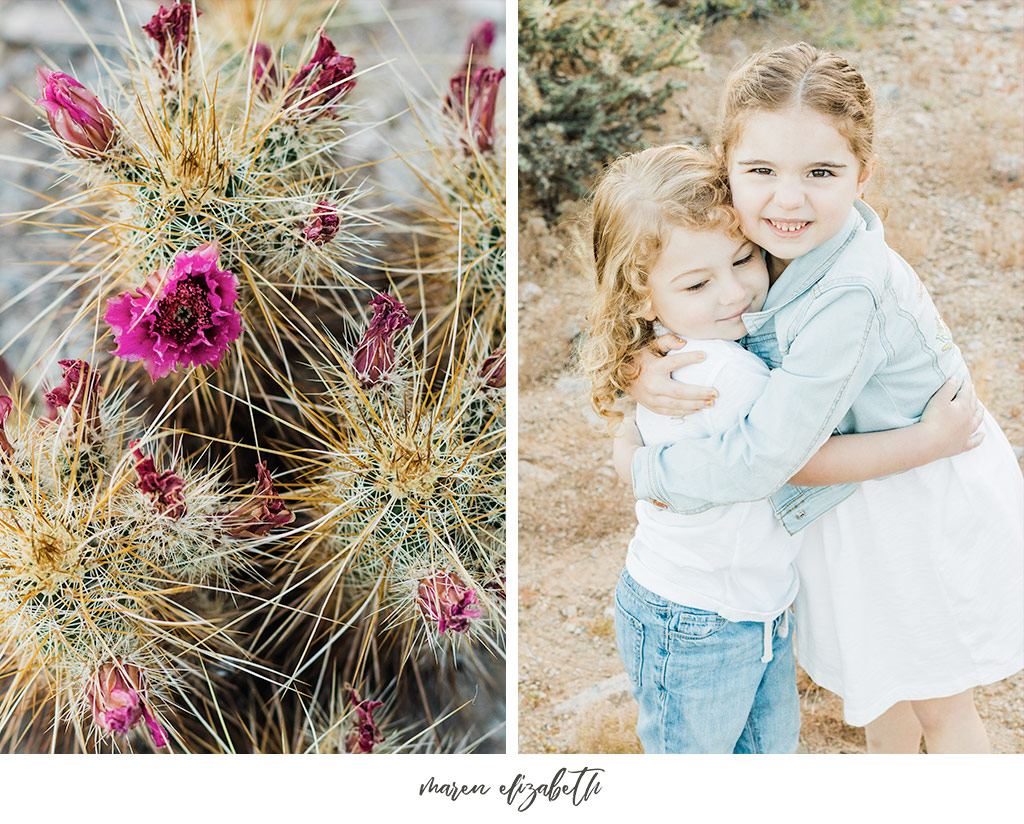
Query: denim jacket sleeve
[832, 357]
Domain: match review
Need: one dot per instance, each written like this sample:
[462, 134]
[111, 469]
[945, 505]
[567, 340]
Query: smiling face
[794, 179]
[703, 282]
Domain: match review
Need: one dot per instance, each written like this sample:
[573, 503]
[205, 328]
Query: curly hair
[636, 204]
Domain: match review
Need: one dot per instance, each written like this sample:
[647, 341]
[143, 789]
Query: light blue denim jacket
[854, 343]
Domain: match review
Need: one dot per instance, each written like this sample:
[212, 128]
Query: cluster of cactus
[247, 290]
[593, 77]
[109, 568]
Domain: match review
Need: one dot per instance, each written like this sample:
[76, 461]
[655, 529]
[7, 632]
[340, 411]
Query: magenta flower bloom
[170, 29]
[375, 355]
[480, 98]
[75, 115]
[182, 316]
[444, 599]
[365, 733]
[118, 694]
[323, 80]
[264, 70]
[164, 489]
[80, 391]
[6, 405]
[262, 512]
[493, 369]
[322, 225]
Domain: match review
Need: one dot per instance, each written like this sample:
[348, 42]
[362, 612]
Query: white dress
[913, 587]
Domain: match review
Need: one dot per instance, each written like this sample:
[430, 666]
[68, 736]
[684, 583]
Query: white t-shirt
[735, 560]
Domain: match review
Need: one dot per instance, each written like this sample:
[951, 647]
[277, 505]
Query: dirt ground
[948, 79]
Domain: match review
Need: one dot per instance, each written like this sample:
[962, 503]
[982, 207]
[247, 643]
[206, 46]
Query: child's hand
[627, 441]
[656, 390]
[953, 419]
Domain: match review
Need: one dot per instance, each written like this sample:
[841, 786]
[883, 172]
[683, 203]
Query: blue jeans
[700, 680]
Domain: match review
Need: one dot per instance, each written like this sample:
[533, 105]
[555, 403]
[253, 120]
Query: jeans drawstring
[767, 656]
[783, 633]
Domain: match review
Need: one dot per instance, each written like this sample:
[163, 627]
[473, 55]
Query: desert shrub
[711, 11]
[592, 77]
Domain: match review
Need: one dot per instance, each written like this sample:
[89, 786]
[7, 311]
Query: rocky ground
[948, 79]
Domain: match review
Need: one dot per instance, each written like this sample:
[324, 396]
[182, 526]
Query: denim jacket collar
[803, 272]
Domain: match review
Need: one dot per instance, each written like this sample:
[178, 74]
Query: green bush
[592, 77]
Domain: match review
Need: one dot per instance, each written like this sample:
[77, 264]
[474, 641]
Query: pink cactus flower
[165, 489]
[75, 115]
[264, 70]
[323, 80]
[322, 225]
[493, 369]
[261, 512]
[170, 29]
[182, 316]
[444, 599]
[365, 734]
[118, 696]
[6, 405]
[375, 355]
[80, 391]
[480, 99]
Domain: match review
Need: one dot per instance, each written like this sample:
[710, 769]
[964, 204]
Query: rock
[1005, 166]
[536, 226]
[614, 689]
[890, 92]
[595, 420]
[529, 292]
[536, 474]
[571, 385]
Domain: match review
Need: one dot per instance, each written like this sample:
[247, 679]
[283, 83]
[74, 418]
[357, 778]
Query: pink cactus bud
[493, 369]
[118, 697]
[322, 225]
[480, 98]
[183, 316]
[165, 489]
[323, 80]
[75, 115]
[478, 47]
[444, 599]
[264, 70]
[375, 356]
[365, 734]
[6, 405]
[6, 375]
[80, 391]
[170, 29]
[261, 512]
[497, 586]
